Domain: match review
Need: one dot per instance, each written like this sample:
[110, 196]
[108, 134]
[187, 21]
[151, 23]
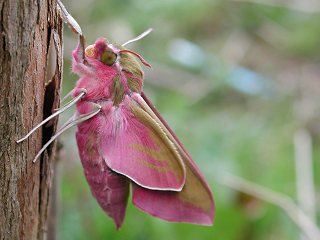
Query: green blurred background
[237, 81]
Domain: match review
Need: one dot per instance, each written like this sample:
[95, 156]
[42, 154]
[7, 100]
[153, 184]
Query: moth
[123, 141]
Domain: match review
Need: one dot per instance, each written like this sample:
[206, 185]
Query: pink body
[130, 142]
[109, 188]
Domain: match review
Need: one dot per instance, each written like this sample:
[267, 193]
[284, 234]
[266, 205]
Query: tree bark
[26, 97]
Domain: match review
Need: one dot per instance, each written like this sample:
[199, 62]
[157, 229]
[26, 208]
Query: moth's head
[103, 51]
[115, 55]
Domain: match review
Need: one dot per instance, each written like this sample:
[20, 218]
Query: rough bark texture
[26, 97]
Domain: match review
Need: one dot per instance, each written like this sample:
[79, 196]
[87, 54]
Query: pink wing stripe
[145, 100]
[132, 147]
[155, 111]
[188, 157]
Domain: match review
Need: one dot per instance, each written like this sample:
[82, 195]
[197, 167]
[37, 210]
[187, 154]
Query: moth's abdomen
[109, 188]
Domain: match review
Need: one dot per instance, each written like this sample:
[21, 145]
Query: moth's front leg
[79, 53]
[79, 61]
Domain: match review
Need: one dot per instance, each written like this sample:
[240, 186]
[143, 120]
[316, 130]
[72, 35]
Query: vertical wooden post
[26, 97]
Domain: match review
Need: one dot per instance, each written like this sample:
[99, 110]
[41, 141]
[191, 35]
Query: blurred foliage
[235, 80]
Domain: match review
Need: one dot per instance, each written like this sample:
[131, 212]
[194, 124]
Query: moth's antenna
[142, 35]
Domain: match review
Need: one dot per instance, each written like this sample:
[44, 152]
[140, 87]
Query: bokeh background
[238, 81]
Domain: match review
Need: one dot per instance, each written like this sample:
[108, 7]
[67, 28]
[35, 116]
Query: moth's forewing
[194, 204]
[137, 148]
[109, 188]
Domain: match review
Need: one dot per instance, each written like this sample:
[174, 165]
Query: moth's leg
[75, 28]
[61, 110]
[72, 122]
[74, 116]
[79, 91]
[69, 94]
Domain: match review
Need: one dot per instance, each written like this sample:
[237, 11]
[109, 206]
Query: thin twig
[304, 173]
[307, 226]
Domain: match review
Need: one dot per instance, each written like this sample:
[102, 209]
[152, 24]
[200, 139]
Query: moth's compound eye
[108, 57]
